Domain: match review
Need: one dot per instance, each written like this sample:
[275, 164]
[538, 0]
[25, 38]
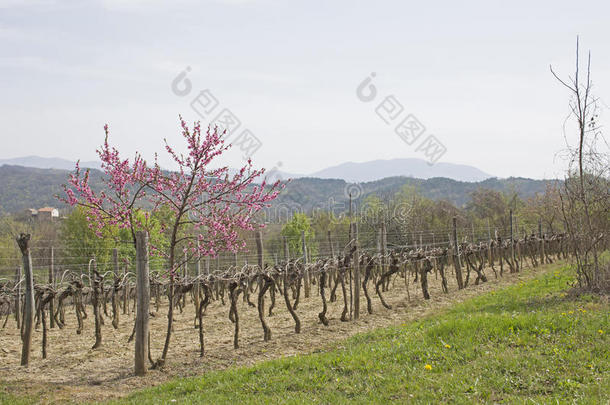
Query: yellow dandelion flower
[601, 332]
[448, 346]
[570, 312]
[428, 367]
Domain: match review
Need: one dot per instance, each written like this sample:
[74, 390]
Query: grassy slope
[528, 341]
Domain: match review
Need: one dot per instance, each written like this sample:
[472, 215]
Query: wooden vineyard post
[500, 251]
[378, 240]
[143, 302]
[330, 244]
[541, 241]
[350, 214]
[356, 260]
[449, 249]
[488, 230]
[185, 273]
[349, 270]
[306, 273]
[512, 244]
[518, 248]
[289, 305]
[286, 249]
[96, 284]
[258, 238]
[51, 282]
[384, 246]
[263, 285]
[18, 296]
[456, 257]
[28, 310]
[490, 255]
[450, 259]
[259, 250]
[125, 291]
[197, 293]
[115, 298]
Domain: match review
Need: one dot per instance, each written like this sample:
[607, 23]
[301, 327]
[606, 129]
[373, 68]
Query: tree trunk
[97, 281]
[143, 302]
[51, 283]
[28, 311]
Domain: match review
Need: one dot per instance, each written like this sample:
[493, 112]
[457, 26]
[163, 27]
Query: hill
[39, 162]
[350, 171]
[26, 187]
[416, 168]
[308, 193]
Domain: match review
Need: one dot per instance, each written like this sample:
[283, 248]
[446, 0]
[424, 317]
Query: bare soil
[73, 372]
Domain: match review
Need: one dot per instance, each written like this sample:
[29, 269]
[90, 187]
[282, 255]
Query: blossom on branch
[211, 203]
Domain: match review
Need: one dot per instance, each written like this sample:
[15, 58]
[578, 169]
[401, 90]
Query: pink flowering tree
[209, 206]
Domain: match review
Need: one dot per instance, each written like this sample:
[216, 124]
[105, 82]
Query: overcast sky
[475, 74]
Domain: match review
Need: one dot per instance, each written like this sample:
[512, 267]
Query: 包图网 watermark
[206, 105]
[406, 125]
[352, 204]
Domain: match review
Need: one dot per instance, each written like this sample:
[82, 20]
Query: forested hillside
[311, 192]
[27, 187]
[24, 187]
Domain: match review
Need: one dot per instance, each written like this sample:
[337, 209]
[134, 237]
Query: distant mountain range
[351, 172]
[417, 168]
[47, 163]
[26, 187]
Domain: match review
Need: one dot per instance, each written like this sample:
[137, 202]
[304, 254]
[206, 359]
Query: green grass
[6, 398]
[528, 343]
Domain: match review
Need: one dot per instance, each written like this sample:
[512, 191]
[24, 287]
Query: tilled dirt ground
[72, 372]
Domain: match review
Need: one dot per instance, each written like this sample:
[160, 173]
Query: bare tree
[584, 195]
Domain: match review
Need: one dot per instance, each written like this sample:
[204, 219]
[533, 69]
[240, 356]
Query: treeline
[25, 187]
[410, 218]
